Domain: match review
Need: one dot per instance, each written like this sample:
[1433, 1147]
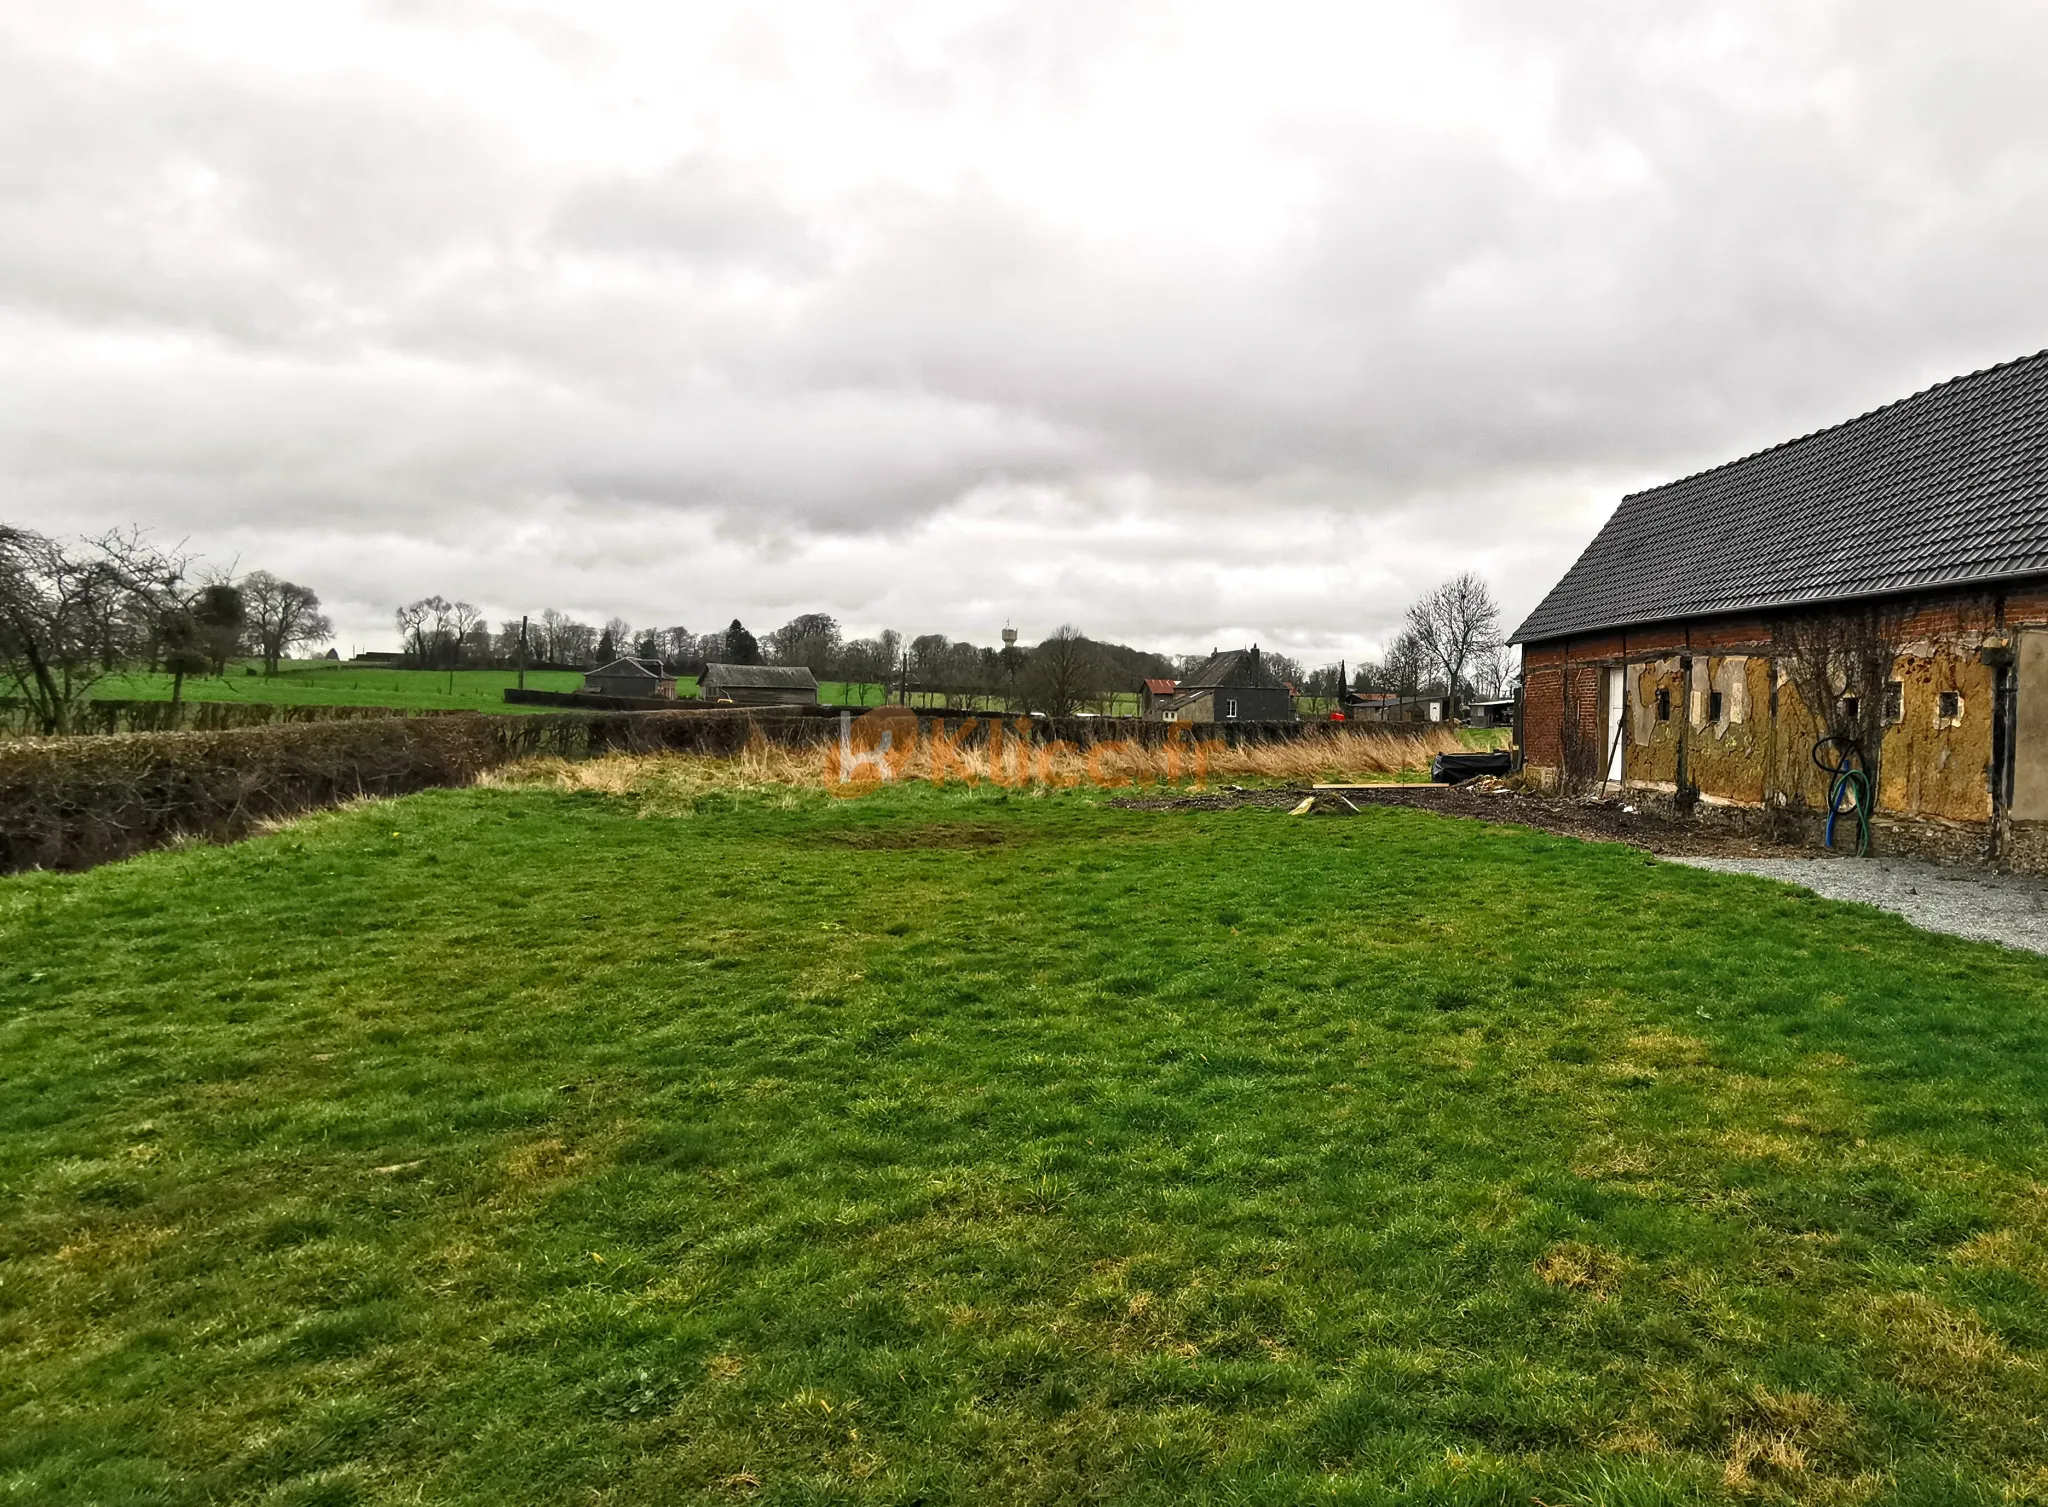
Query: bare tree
[810, 639]
[1455, 625]
[1062, 672]
[419, 628]
[616, 639]
[1281, 669]
[69, 616]
[1840, 662]
[1401, 670]
[283, 616]
[434, 631]
[864, 662]
[460, 629]
[1493, 673]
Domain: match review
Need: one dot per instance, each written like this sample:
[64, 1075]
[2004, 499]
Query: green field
[321, 682]
[522, 1146]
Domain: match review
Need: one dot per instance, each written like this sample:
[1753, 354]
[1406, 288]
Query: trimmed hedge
[106, 718]
[73, 802]
[70, 803]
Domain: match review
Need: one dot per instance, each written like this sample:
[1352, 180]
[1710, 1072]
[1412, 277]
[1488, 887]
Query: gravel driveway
[1974, 903]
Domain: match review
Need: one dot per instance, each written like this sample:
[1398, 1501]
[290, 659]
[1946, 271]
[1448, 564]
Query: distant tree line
[1449, 642]
[1068, 672]
[74, 612]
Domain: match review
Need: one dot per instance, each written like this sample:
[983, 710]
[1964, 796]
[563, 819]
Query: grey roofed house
[1226, 687]
[1946, 488]
[631, 678]
[759, 685]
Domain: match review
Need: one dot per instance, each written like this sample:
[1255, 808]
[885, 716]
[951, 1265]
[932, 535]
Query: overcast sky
[1188, 323]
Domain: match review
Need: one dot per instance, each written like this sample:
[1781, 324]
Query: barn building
[1154, 694]
[630, 677]
[1872, 595]
[759, 685]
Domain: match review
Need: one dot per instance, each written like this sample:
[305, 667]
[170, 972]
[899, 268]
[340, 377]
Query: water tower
[1010, 659]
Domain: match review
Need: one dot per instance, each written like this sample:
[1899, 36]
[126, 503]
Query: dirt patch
[1591, 820]
[935, 835]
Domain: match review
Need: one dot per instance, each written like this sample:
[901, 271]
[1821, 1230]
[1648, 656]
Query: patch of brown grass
[673, 782]
[1578, 1267]
[1934, 1347]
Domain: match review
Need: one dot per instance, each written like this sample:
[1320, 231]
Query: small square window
[1852, 707]
[1894, 703]
[1664, 703]
[1230, 711]
[1949, 704]
[1714, 705]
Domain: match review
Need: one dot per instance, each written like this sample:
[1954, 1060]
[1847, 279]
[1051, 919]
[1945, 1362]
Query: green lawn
[526, 1147]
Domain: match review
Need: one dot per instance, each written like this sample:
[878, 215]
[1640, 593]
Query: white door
[1617, 692]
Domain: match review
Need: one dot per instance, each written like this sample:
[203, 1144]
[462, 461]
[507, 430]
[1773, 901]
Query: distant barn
[759, 685]
[631, 677]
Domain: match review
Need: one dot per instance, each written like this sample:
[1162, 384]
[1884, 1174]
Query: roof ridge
[1827, 429]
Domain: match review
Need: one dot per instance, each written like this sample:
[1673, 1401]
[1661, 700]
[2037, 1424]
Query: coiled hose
[1841, 759]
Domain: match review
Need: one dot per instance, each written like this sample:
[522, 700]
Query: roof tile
[1947, 487]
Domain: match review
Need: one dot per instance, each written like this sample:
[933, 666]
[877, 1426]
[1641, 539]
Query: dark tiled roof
[1948, 487]
[760, 677]
[1231, 667]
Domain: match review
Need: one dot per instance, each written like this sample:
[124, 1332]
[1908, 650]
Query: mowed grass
[519, 1146]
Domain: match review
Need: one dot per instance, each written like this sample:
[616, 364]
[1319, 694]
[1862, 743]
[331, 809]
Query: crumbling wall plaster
[1729, 757]
[1935, 765]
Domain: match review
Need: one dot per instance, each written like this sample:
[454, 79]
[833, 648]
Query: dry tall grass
[1344, 754]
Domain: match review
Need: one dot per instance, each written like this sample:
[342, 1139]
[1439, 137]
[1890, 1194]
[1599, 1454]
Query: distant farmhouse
[1882, 585]
[1154, 696]
[1228, 687]
[630, 677]
[759, 685]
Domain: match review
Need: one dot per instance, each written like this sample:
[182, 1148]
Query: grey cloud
[286, 310]
[696, 212]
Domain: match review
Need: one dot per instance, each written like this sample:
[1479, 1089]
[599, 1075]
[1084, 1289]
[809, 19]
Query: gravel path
[1974, 903]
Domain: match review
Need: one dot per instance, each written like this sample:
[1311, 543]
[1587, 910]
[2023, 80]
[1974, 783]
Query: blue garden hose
[1842, 759]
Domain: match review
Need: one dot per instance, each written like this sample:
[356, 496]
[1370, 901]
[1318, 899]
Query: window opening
[1664, 703]
[1950, 704]
[1230, 711]
[1894, 702]
[1714, 706]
